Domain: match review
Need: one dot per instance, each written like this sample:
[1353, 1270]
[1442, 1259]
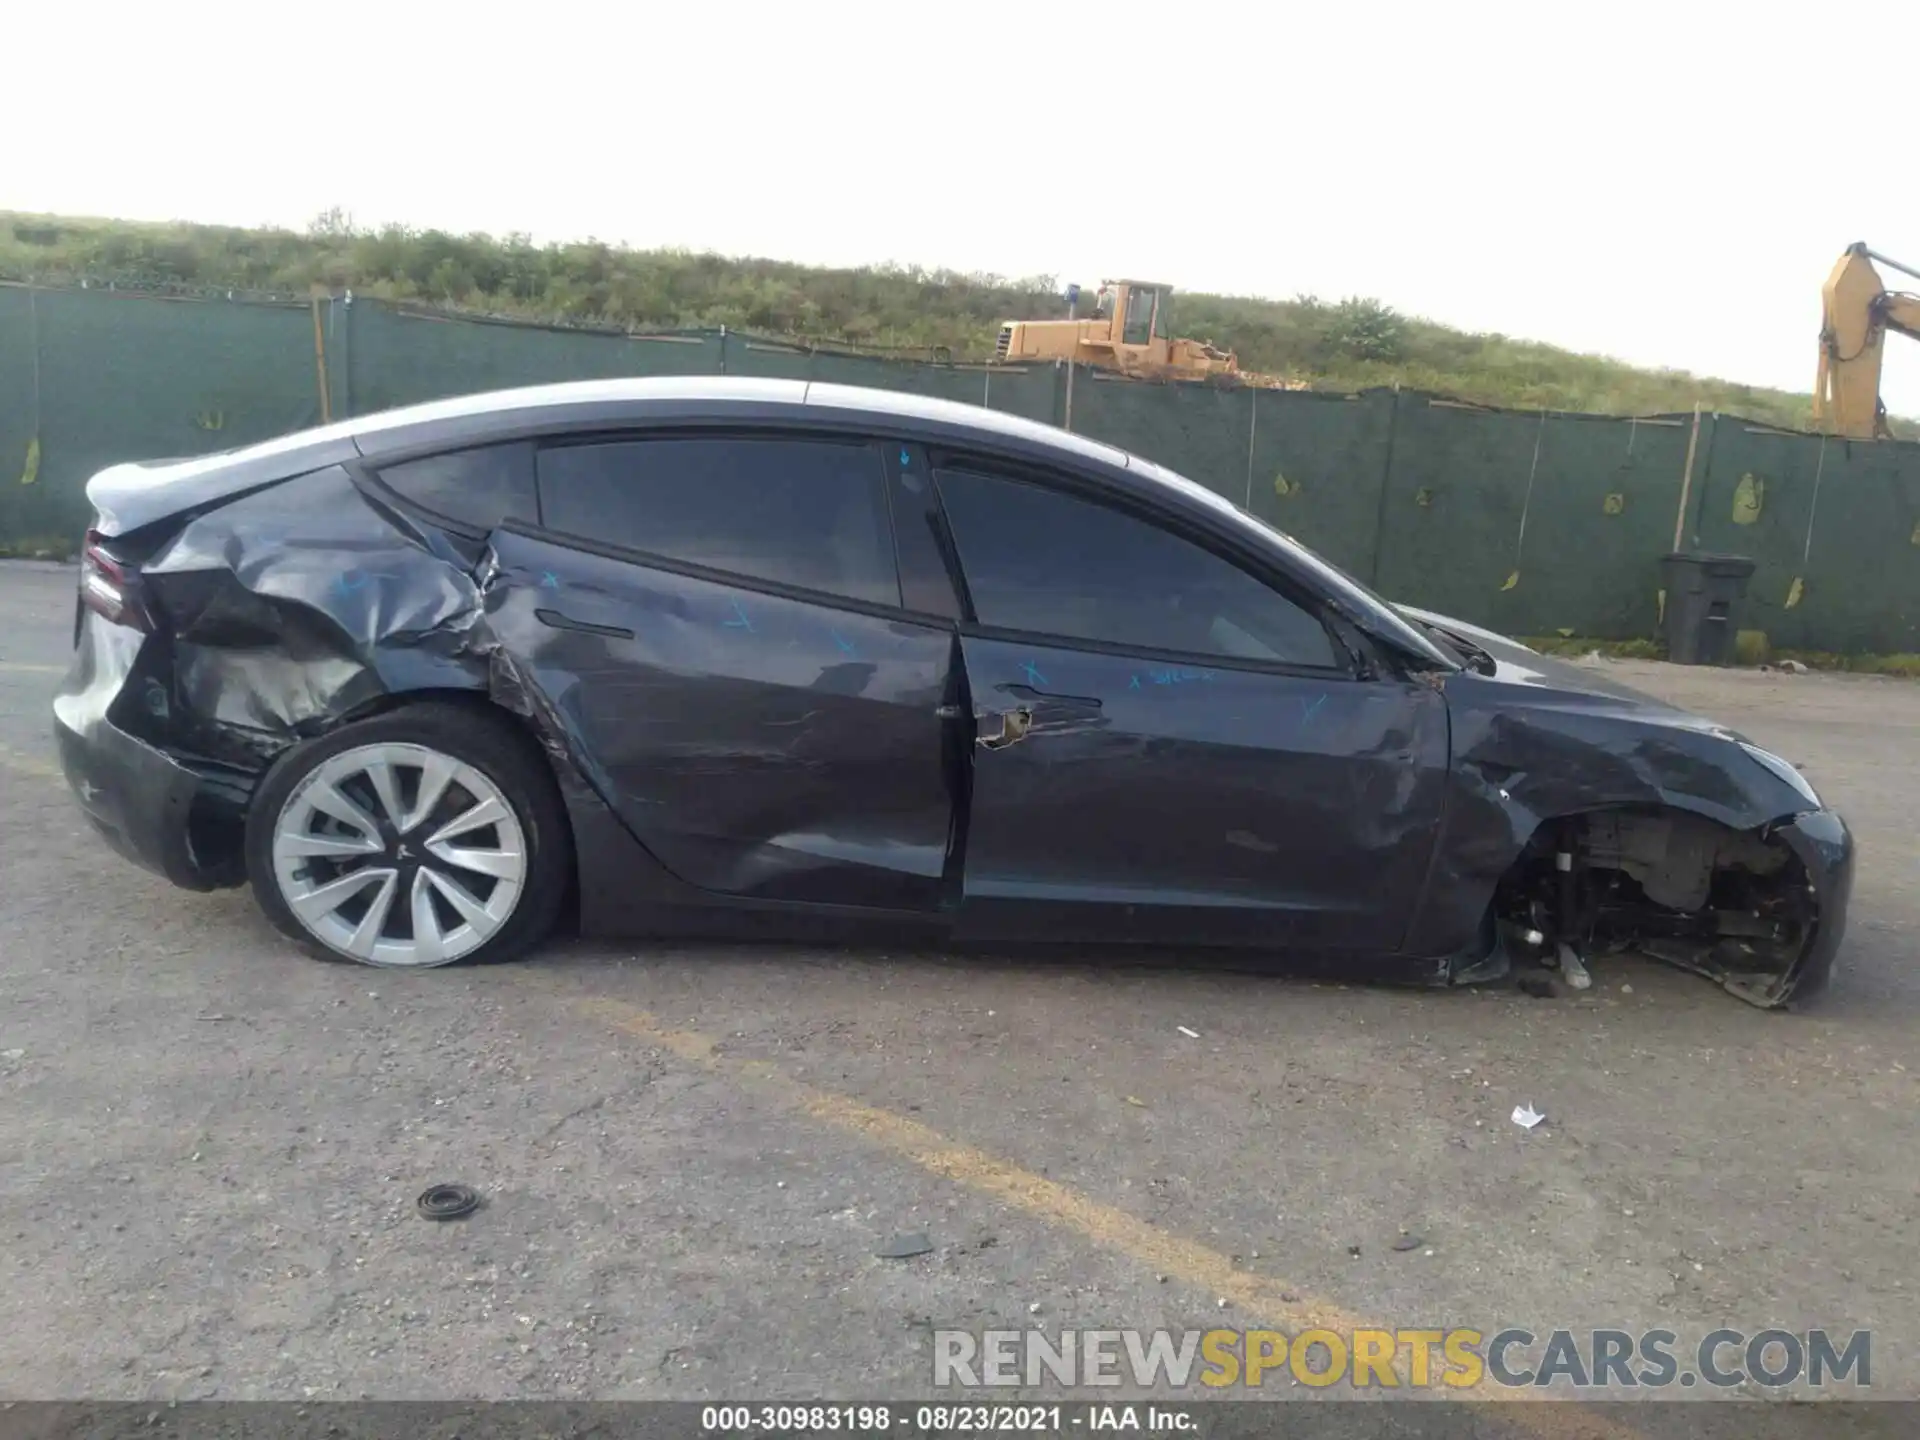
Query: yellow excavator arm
[1857, 311]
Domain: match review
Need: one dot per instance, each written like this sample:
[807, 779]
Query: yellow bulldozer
[1126, 333]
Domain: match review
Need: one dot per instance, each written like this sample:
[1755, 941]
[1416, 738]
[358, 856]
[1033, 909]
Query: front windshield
[1139, 318]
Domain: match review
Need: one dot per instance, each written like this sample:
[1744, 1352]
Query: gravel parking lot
[210, 1145]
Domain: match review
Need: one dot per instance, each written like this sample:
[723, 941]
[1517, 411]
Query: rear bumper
[138, 799]
[147, 806]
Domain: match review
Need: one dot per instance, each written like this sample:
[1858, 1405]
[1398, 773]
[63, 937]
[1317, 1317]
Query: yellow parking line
[978, 1170]
[1266, 1300]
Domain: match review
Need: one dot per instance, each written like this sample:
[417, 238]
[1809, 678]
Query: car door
[1169, 746]
[717, 621]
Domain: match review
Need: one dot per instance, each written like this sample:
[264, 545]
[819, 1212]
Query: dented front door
[757, 744]
[1133, 799]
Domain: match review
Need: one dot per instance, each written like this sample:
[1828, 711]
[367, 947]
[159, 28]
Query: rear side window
[473, 488]
[1040, 560]
[807, 513]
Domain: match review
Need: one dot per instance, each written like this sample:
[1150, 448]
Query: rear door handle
[557, 621]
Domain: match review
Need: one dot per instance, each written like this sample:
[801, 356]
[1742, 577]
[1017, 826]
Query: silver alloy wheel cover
[298, 838]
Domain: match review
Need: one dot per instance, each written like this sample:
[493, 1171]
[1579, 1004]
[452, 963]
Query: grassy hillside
[1348, 344]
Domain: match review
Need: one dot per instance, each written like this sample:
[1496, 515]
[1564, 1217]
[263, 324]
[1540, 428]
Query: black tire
[491, 744]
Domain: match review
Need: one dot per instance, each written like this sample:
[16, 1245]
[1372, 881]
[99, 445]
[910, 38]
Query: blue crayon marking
[549, 580]
[1308, 711]
[739, 621]
[1033, 673]
[846, 645]
[1174, 677]
[347, 585]
[905, 459]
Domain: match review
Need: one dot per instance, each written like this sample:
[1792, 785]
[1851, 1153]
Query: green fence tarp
[394, 357]
[1319, 466]
[1834, 527]
[124, 376]
[20, 420]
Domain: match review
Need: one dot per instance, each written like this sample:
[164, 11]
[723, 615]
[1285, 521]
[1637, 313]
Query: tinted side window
[1041, 560]
[809, 513]
[479, 487]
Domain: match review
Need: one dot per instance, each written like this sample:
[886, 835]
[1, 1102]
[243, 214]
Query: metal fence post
[1253, 423]
[1686, 480]
[1386, 486]
[320, 360]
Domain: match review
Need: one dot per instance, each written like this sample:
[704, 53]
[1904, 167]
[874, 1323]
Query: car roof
[134, 494]
[680, 397]
[131, 495]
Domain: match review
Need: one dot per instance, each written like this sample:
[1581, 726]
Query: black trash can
[1703, 602]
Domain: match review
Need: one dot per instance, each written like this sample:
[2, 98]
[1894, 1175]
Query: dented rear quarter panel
[300, 605]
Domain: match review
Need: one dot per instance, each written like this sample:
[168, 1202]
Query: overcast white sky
[1665, 183]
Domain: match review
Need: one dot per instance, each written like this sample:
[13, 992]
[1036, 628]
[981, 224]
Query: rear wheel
[410, 840]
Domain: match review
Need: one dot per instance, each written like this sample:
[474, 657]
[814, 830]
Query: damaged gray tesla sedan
[698, 655]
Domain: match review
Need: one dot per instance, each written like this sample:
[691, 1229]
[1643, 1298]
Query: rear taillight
[110, 587]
